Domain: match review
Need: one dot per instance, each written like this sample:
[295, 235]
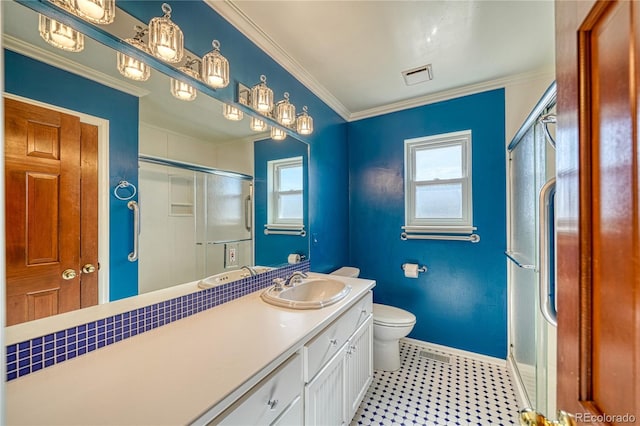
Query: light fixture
[215, 68]
[231, 113]
[60, 35]
[277, 134]
[182, 90]
[131, 67]
[257, 125]
[166, 40]
[96, 11]
[285, 111]
[304, 122]
[262, 96]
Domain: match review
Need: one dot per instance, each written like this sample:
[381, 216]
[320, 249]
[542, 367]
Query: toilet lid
[389, 315]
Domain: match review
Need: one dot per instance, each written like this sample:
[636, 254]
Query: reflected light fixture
[304, 122]
[215, 68]
[278, 134]
[257, 125]
[285, 111]
[131, 67]
[182, 90]
[96, 11]
[59, 35]
[166, 40]
[262, 96]
[231, 113]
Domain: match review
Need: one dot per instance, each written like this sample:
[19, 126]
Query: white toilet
[390, 324]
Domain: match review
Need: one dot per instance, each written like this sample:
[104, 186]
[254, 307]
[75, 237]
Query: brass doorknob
[69, 274]
[529, 417]
[88, 268]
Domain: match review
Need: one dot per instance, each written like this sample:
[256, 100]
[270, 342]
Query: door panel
[89, 215]
[42, 203]
[598, 210]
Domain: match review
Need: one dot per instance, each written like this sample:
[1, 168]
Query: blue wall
[461, 301]
[33, 79]
[328, 173]
[274, 249]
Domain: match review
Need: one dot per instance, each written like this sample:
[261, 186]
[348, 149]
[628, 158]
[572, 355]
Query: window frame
[274, 192]
[411, 147]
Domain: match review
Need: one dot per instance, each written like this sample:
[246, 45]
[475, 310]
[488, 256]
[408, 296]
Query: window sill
[463, 230]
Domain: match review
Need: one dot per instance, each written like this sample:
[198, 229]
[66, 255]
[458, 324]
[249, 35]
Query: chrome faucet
[294, 279]
[252, 272]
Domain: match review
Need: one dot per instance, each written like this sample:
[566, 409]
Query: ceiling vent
[417, 75]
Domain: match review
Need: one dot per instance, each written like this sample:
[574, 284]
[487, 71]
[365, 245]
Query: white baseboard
[459, 352]
[521, 393]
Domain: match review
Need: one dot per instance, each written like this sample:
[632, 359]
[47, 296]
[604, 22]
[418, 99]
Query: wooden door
[598, 211]
[43, 200]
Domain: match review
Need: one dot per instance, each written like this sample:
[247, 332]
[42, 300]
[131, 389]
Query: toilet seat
[390, 316]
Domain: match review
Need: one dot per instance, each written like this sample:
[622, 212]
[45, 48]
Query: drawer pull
[364, 311]
[272, 404]
[333, 342]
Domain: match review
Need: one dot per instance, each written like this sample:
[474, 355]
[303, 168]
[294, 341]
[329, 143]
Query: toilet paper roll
[411, 270]
[293, 258]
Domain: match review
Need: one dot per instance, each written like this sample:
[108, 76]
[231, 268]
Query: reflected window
[285, 184]
[438, 181]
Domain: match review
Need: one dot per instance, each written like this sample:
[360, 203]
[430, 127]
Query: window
[438, 182]
[285, 186]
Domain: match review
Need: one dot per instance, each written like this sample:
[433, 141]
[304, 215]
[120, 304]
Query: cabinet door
[324, 396]
[359, 366]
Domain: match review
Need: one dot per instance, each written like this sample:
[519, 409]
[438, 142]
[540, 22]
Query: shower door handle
[547, 305]
[247, 213]
[133, 205]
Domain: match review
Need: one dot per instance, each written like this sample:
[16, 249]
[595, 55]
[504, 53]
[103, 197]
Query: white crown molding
[450, 94]
[236, 17]
[24, 48]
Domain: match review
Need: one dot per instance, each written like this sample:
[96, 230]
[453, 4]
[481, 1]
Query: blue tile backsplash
[45, 351]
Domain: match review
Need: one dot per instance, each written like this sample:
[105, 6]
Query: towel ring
[122, 185]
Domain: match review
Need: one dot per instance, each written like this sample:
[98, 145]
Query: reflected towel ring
[122, 185]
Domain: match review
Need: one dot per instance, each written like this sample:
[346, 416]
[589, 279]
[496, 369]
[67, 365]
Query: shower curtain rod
[193, 167]
[546, 101]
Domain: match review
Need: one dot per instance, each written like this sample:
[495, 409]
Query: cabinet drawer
[268, 399]
[322, 347]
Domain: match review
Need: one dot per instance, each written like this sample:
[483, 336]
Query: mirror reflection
[193, 223]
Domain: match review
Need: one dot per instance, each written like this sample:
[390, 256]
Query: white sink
[230, 276]
[311, 293]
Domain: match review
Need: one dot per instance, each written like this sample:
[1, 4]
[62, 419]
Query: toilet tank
[347, 271]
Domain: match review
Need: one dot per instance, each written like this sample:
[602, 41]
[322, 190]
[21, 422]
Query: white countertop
[175, 373]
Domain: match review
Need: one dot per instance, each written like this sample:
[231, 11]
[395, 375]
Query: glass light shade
[304, 123]
[257, 125]
[262, 96]
[285, 111]
[231, 113]
[131, 67]
[166, 40]
[277, 134]
[215, 68]
[182, 90]
[60, 35]
[97, 11]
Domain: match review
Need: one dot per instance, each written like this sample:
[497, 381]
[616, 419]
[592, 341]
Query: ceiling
[351, 53]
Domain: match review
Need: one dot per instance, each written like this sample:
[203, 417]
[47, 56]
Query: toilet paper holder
[421, 268]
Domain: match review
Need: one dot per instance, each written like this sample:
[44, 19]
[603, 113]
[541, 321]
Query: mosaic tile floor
[428, 392]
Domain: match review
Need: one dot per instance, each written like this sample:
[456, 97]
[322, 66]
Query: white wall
[235, 156]
[520, 98]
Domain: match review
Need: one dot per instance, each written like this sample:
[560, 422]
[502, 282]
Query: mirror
[144, 114]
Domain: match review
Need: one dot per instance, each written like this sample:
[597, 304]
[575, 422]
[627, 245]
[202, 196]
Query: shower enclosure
[194, 222]
[530, 251]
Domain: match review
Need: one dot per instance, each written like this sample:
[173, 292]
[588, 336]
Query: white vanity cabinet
[333, 394]
[272, 401]
[321, 384]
